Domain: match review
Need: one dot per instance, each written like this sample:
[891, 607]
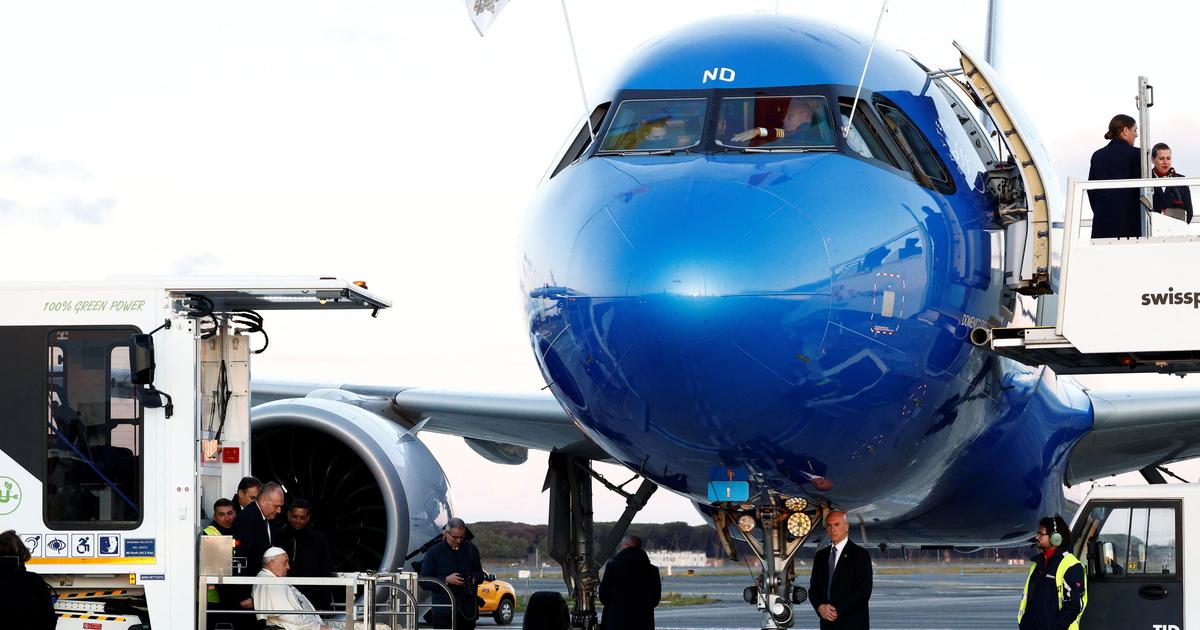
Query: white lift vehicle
[110, 447]
[1132, 541]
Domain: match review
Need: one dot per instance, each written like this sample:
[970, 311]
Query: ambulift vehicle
[109, 449]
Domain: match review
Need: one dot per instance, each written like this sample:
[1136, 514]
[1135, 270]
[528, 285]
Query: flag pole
[587, 114]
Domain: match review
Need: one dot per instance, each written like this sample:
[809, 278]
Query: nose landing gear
[774, 527]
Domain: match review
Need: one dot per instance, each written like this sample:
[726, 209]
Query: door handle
[1152, 591]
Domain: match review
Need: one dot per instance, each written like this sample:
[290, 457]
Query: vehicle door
[1132, 550]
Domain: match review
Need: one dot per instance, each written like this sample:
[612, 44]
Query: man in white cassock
[287, 597]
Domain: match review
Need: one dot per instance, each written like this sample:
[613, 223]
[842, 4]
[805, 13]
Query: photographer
[455, 562]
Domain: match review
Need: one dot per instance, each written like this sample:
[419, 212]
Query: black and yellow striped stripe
[90, 617]
[82, 594]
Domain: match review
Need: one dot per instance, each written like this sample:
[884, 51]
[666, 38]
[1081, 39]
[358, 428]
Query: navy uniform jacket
[1116, 213]
[1173, 196]
[1041, 599]
[851, 590]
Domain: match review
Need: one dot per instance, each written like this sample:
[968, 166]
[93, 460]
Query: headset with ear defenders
[1055, 537]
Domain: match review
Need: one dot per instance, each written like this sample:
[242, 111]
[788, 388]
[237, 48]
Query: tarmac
[926, 599]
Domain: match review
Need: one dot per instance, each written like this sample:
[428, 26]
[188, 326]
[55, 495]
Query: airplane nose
[698, 300]
[699, 238]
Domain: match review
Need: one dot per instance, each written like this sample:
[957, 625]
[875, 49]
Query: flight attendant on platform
[1116, 213]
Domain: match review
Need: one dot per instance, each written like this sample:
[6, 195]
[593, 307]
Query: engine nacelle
[376, 490]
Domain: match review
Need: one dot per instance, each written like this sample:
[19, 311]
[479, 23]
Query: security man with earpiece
[1056, 590]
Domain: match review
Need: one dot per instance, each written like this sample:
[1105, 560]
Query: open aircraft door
[1031, 205]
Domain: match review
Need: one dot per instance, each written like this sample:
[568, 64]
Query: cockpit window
[775, 122]
[916, 147]
[653, 125]
[862, 138]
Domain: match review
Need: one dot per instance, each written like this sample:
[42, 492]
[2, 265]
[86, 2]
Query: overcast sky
[387, 141]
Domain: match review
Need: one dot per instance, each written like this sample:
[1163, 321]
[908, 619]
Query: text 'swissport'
[1172, 297]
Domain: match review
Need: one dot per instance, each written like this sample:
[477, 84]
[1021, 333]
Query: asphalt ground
[925, 599]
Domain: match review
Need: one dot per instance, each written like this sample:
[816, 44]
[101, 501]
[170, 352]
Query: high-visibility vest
[213, 598]
[1069, 560]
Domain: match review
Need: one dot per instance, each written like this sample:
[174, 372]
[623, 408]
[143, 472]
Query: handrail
[453, 617]
[393, 613]
[351, 582]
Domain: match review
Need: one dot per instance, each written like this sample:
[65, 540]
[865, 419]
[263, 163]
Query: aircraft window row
[649, 125]
[775, 122]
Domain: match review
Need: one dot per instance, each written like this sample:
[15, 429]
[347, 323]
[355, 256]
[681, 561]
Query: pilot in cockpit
[803, 123]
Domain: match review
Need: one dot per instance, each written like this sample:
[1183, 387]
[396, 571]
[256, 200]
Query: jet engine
[376, 490]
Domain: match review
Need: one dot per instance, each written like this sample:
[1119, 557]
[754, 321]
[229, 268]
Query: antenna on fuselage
[587, 113]
[863, 77]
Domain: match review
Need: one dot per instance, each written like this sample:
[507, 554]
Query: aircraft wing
[1135, 429]
[500, 427]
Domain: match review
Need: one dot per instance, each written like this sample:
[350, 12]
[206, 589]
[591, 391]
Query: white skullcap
[272, 552]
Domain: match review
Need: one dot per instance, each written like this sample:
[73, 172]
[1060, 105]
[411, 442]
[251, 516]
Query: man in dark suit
[630, 588]
[252, 531]
[840, 586]
[1116, 213]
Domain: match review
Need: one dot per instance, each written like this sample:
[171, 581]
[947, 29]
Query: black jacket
[1173, 196]
[1116, 213]
[309, 556]
[852, 581]
[440, 561]
[1041, 597]
[253, 535]
[26, 596]
[629, 590]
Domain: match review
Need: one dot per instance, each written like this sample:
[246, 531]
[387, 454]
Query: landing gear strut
[783, 525]
[569, 481]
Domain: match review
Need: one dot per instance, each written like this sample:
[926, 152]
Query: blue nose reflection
[696, 313]
[699, 238]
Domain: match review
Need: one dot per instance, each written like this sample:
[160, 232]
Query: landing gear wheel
[504, 612]
[546, 610]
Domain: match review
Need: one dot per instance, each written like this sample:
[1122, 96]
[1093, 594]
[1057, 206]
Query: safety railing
[361, 593]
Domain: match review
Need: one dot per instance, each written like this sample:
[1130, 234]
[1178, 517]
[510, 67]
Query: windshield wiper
[789, 150]
[644, 152]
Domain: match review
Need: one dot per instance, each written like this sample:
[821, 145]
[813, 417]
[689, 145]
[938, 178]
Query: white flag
[484, 12]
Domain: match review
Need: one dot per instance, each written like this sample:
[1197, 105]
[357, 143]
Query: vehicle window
[914, 144]
[647, 125]
[775, 122]
[93, 432]
[1159, 558]
[1133, 541]
[863, 138]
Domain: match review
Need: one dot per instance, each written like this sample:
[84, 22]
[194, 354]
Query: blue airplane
[750, 288]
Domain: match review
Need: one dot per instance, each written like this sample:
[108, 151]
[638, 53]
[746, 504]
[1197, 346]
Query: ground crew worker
[221, 525]
[1056, 589]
